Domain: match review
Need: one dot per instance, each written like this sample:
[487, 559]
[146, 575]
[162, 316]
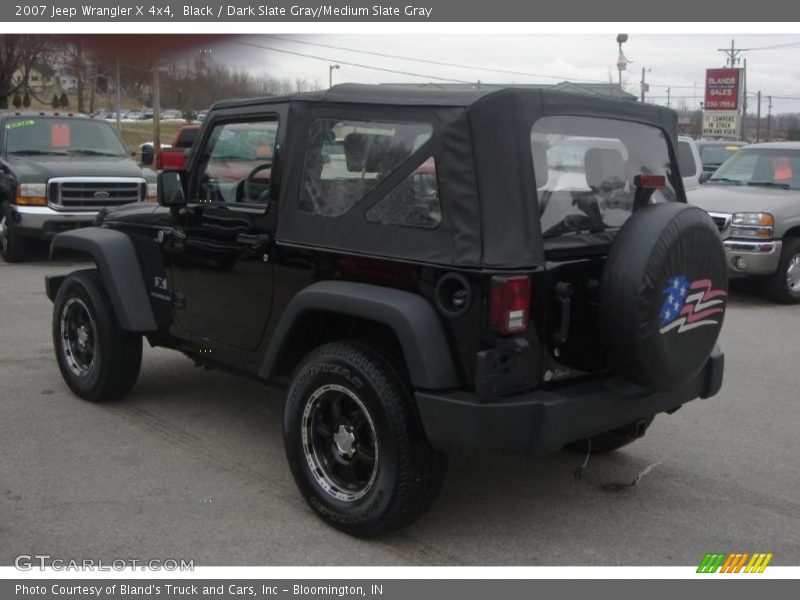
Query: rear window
[585, 169]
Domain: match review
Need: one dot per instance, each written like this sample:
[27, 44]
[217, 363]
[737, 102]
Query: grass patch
[136, 133]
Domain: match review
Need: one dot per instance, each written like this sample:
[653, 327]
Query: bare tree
[18, 54]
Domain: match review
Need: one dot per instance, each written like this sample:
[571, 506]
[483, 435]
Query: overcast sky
[675, 61]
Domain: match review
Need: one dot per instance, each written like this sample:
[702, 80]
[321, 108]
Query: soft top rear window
[585, 169]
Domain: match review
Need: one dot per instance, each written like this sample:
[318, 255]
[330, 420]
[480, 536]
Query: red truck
[175, 156]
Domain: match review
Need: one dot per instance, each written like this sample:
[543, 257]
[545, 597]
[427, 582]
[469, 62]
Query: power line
[436, 62]
[351, 64]
[775, 47]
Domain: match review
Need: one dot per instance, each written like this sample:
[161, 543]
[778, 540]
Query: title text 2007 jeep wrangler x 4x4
[420, 269]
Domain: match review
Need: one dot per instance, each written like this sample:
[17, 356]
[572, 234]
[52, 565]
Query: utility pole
[668, 90]
[732, 53]
[330, 74]
[769, 116]
[758, 119]
[119, 101]
[645, 87]
[156, 110]
[743, 135]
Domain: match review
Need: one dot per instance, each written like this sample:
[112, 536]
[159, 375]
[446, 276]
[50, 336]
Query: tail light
[650, 182]
[510, 304]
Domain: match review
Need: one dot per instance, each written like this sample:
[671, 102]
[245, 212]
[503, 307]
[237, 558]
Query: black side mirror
[705, 176]
[148, 155]
[170, 189]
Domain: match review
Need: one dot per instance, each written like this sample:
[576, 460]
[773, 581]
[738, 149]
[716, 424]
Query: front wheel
[784, 285]
[12, 244]
[98, 360]
[355, 443]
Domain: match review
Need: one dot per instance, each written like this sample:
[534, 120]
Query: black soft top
[490, 213]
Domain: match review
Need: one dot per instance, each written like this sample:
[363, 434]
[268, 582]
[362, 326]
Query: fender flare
[413, 319]
[116, 258]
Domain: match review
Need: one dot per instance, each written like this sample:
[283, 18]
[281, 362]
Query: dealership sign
[721, 123]
[723, 89]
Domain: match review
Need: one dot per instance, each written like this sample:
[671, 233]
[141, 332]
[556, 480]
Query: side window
[345, 160]
[238, 163]
[413, 203]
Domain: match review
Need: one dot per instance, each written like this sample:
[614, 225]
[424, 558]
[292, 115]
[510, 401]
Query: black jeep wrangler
[419, 269]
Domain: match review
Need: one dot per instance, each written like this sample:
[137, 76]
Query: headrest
[604, 165]
[372, 153]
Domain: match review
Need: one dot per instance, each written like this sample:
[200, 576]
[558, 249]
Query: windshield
[717, 154]
[761, 166]
[585, 169]
[49, 135]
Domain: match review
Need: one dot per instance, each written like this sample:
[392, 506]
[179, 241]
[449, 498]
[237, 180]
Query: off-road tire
[607, 442]
[117, 354]
[409, 472]
[13, 246]
[777, 285]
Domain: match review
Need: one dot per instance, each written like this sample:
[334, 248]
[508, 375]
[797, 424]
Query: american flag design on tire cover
[690, 304]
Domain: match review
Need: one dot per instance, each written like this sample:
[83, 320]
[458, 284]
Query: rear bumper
[43, 222]
[544, 420]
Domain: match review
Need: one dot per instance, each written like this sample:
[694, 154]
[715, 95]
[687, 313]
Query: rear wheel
[12, 244]
[98, 360]
[784, 285]
[355, 444]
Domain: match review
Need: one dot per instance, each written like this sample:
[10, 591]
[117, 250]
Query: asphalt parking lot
[190, 465]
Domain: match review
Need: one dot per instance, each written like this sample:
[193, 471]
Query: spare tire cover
[663, 295]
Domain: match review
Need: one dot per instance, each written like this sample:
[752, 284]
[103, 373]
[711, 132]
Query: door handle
[256, 241]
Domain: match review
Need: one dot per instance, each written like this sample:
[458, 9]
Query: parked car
[134, 114]
[57, 172]
[392, 267]
[201, 115]
[689, 163]
[171, 114]
[754, 198]
[174, 156]
[715, 152]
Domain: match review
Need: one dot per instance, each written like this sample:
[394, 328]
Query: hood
[135, 211]
[741, 198]
[39, 169]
